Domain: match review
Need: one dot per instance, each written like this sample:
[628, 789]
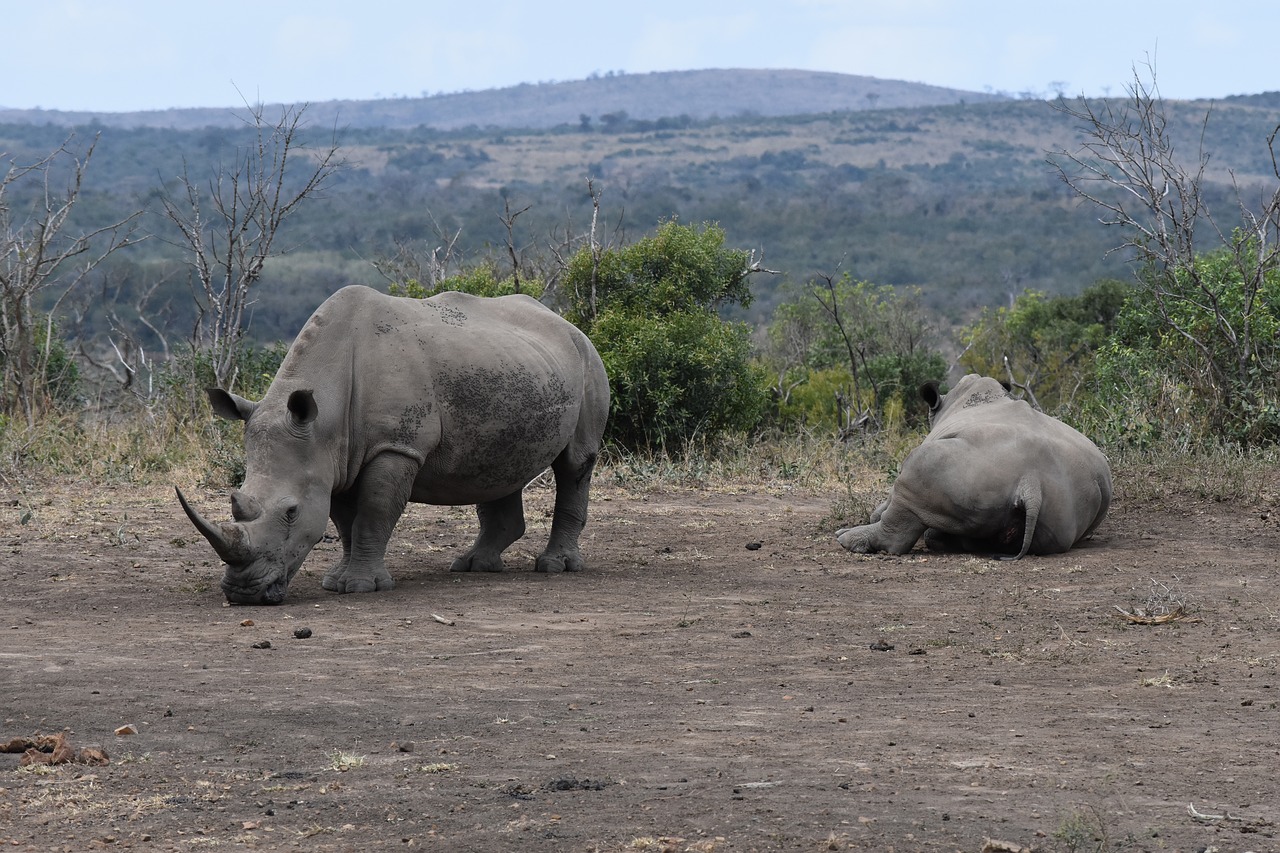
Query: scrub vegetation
[109, 332]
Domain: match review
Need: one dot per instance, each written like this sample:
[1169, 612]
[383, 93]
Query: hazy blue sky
[114, 55]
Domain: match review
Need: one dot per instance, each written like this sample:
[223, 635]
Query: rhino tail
[1029, 500]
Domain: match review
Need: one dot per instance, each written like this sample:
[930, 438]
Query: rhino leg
[501, 523]
[573, 489]
[895, 531]
[365, 517]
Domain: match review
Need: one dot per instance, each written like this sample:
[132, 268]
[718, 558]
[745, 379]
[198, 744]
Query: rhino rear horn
[227, 539]
[244, 507]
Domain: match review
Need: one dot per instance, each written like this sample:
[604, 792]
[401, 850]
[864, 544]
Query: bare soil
[690, 691]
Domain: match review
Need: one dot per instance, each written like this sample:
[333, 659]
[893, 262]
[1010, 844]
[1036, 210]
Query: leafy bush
[183, 403]
[677, 370]
[1045, 345]
[678, 376]
[1195, 359]
[848, 354]
[52, 378]
[183, 380]
[480, 280]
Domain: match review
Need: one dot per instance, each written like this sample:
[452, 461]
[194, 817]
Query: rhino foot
[346, 581]
[854, 539]
[553, 564]
[470, 562]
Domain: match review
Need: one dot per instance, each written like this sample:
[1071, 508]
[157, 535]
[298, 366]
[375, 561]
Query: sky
[125, 55]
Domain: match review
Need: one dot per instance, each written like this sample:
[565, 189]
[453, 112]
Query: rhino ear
[1008, 389]
[929, 393]
[302, 406]
[230, 406]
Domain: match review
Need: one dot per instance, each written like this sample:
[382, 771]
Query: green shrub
[182, 381]
[843, 350]
[1194, 359]
[481, 280]
[47, 376]
[676, 369]
[677, 376]
[1046, 344]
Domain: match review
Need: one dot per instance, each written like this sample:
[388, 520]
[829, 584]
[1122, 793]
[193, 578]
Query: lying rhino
[993, 476]
[380, 401]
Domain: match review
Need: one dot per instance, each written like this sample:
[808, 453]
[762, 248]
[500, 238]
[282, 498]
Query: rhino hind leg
[365, 517]
[501, 523]
[857, 539]
[894, 530]
[573, 490]
[1003, 545]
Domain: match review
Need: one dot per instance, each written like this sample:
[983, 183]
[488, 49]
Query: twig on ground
[1140, 617]
[1226, 817]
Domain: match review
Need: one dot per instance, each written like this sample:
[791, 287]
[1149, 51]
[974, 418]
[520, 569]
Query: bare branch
[41, 265]
[1129, 167]
[250, 203]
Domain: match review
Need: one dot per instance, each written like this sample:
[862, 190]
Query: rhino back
[481, 392]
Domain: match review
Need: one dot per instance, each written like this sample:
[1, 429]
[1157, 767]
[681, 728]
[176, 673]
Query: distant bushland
[953, 195]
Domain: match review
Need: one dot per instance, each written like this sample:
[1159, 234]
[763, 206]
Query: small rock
[265, 644]
[741, 635]
[881, 646]
[753, 546]
[247, 623]
[126, 729]
[302, 633]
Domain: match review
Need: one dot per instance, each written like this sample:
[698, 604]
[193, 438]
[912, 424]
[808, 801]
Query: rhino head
[281, 511]
[972, 390]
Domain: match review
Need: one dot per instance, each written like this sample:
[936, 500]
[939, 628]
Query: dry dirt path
[687, 692]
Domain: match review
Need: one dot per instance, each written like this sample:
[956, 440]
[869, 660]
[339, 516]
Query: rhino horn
[244, 507]
[227, 539]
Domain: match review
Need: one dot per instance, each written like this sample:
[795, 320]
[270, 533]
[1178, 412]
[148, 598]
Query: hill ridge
[698, 94]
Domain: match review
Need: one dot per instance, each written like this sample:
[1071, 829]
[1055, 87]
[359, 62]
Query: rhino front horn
[226, 539]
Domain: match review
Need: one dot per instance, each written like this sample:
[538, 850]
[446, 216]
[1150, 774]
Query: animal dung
[52, 749]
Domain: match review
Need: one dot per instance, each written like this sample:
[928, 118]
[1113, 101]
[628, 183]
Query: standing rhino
[993, 475]
[380, 401]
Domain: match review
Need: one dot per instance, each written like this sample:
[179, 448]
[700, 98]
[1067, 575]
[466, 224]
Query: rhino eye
[291, 514]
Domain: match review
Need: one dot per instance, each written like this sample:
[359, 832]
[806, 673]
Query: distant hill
[696, 94]
[894, 183]
[1270, 100]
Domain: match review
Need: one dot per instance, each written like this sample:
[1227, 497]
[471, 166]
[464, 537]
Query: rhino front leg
[573, 488]
[365, 517]
[501, 523]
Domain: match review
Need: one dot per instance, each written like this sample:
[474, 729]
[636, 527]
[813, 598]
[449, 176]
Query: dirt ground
[723, 677]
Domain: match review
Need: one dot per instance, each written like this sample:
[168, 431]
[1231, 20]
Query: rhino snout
[272, 592]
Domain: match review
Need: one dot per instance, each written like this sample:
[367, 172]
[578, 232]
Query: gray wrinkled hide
[993, 476]
[381, 401]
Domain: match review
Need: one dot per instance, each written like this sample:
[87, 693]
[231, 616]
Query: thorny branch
[250, 202]
[38, 255]
[1129, 168]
